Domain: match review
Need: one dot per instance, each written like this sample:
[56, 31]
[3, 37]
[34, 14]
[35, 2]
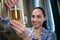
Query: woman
[37, 32]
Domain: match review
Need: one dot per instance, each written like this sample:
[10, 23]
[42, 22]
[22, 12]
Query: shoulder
[4, 20]
[49, 34]
[47, 31]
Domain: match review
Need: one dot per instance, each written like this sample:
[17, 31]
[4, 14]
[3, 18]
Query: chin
[36, 27]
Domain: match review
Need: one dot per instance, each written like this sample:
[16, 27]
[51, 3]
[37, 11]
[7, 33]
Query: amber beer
[15, 14]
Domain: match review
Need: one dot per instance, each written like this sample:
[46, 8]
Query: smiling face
[37, 18]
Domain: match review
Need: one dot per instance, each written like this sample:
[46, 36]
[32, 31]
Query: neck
[38, 29]
[37, 32]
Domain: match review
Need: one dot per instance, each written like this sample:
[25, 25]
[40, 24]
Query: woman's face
[37, 18]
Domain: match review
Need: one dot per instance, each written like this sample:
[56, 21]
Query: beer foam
[16, 9]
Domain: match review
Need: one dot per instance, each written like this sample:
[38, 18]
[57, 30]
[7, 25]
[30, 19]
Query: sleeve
[5, 20]
[52, 36]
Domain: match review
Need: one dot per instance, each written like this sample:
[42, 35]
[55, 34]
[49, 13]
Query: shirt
[45, 34]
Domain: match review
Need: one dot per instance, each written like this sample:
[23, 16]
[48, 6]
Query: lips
[35, 24]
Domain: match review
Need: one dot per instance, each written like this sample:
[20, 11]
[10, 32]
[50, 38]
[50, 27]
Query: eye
[38, 16]
[33, 16]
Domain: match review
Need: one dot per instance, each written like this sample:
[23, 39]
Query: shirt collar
[42, 33]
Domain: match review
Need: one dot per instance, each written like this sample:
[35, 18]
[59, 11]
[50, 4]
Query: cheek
[40, 20]
[32, 20]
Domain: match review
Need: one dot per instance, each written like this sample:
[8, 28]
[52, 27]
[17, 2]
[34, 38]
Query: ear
[45, 18]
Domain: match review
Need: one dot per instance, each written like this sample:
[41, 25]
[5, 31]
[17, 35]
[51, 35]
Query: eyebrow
[37, 16]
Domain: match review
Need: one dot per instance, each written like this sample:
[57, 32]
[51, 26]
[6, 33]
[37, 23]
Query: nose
[35, 19]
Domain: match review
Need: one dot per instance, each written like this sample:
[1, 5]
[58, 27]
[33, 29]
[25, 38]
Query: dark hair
[44, 24]
[41, 10]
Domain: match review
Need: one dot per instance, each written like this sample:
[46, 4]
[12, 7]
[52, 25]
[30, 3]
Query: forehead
[37, 12]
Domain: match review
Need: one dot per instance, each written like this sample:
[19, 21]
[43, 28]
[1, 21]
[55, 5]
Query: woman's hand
[19, 29]
[10, 3]
[7, 4]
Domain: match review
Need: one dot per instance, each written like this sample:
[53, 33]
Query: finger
[6, 3]
[18, 23]
[10, 4]
[13, 2]
[17, 26]
[19, 34]
[17, 30]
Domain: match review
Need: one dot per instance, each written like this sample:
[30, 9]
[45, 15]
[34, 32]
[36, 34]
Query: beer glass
[15, 12]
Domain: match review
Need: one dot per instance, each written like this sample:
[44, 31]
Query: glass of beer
[15, 14]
